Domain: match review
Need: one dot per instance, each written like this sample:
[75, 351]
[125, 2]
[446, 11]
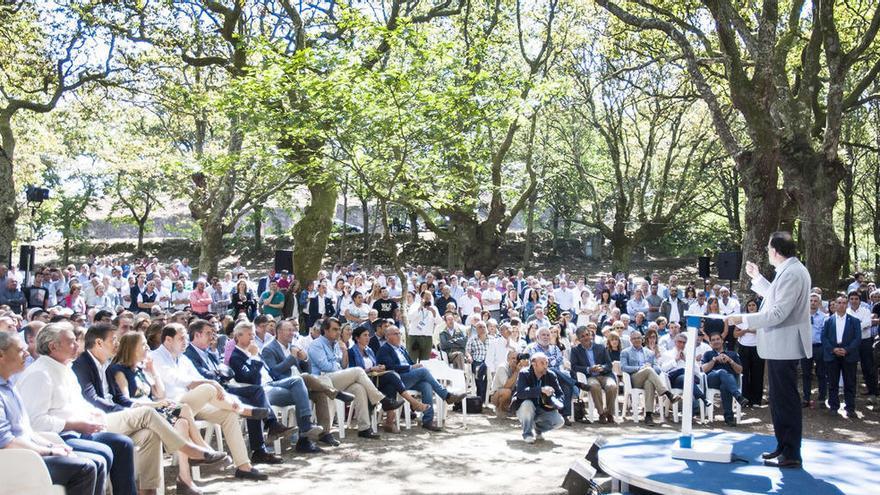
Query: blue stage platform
[830, 468]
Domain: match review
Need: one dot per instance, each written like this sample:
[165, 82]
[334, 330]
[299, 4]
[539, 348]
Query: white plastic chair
[676, 408]
[455, 382]
[632, 396]
[711, 393]
[287, 416]
[211, 430]
[592, 411]
[27, 474]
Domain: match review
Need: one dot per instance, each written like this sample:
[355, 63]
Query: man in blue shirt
[79, 474]
[644, 372]
[722, 369]
[328, 358]
[817, 321]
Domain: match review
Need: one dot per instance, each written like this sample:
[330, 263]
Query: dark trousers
[479, 370]
[79, 475]
[869, 368]
[254, 396]
[390, 384]
[785, 406]
[753, 374]
[117, 452]
[569, 390]
[807, 373]
[835, 368]
[676, 379]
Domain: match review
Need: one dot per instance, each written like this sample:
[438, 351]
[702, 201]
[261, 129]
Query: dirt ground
[488, 457]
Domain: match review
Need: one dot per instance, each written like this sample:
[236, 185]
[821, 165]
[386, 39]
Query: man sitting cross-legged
[639, 362]
[249, 368]
[415, 376]
[592, 360]
[283, 360]
[329, 358]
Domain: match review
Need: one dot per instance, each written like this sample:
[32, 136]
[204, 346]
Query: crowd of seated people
[120, 356]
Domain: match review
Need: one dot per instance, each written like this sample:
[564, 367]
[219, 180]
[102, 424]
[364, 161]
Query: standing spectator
[673, 308]
[817, 321]
[37, 294]
[492, 300]
[537, 399]
[840, 345]
[753, 364]
[220, 299]
[319, 306]
[476, 350]
[638, 304]
[866, 351]
[243, 300]
[272, 300]
[655, 301]
[384, 305]
[422, 320]
[469, 304]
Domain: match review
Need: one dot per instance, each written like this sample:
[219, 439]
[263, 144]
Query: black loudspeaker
[703, 266]
[26, 258]
[283, 261]
[729, 264]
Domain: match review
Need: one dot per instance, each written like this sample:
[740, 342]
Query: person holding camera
[505, 379]
[422, 320]
[538, 399]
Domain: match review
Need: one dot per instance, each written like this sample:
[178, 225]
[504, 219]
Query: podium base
[705, 451]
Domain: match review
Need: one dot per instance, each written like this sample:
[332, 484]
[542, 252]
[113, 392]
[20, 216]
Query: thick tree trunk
[621, 251]
[8, 205]
[65, 253]
[554, 226]
[479, 245]
[763, 208]
[311, 233]
[813, 182]
[365, 213]
[211, 247]
[344, 238]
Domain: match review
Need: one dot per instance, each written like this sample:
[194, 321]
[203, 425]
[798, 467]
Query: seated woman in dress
[362, 356]
[132, 376]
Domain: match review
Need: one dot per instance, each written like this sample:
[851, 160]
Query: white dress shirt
[864, 316]
[52, 395]
[840, 323]
[177, 373]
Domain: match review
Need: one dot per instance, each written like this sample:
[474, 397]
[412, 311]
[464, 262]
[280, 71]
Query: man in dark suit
[283, 362]
[92, 378]
[245, 362]
[201, 336]
[673, 308]
[319, 306]
[592, 360]
[537, 399]
[840, 350]
[263, 283]
[414, 376]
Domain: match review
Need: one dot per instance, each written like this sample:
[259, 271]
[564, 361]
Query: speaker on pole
[26, 257]
[283, 260]
[703, 266]
[729, 264]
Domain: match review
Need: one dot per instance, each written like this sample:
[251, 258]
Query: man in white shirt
[422, 320]
[727, 304]
[699, 306]
[492, 300]
[866, 351]
[53, 399]
[207, 398]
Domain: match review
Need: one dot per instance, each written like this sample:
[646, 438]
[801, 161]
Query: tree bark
[848, 211]
[621, 251]
[311, 233]
[764, 202]
[813, 181]
[258, 228]
[142, 226]
[211, 244]
[8, 206]
[365, 213]
[414, 226]
[530, 227]
[344, 239]
[479, 244]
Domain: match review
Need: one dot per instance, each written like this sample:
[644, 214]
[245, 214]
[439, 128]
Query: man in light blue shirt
[329, 358]
[817, 321]
[644, 373]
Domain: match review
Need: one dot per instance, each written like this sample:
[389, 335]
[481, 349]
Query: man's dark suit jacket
[312, 317]
[246, 370]
[528, 387]
[276, 362]
[580, 363]
[89, 379]
[852, 337]
[202, 366]
[388, 356]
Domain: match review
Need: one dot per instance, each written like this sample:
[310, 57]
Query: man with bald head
[537, 399]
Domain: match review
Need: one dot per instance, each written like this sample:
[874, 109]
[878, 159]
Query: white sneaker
[529, 439]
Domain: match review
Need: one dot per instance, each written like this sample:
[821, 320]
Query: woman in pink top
[199, 299]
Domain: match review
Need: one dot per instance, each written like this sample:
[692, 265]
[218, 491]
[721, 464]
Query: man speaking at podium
[784, 338]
